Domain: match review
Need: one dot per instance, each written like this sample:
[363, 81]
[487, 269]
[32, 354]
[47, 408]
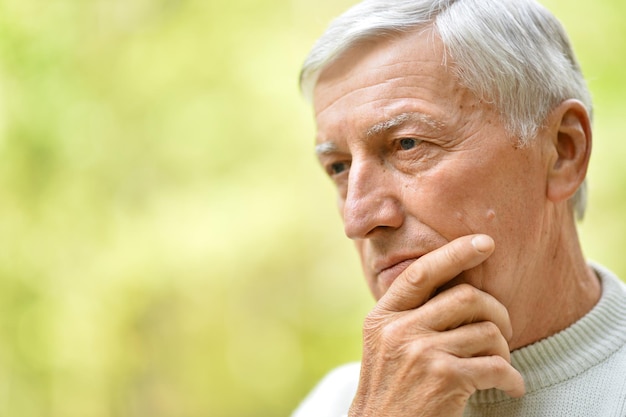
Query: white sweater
[578, 372]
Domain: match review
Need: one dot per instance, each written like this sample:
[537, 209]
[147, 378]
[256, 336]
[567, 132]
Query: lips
[388, 274]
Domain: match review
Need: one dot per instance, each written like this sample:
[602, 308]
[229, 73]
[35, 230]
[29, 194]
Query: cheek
[448, 199]
[460, 199]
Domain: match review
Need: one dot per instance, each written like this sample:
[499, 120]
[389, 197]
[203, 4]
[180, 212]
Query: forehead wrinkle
[401, 119]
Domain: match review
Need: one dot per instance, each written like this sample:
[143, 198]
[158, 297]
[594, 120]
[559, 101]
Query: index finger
[417, 283]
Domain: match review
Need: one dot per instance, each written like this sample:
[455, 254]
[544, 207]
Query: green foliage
[168, 246]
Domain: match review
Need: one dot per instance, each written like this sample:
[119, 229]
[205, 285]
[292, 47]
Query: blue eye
[408, 143]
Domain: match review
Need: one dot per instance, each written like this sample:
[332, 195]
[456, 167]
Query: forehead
[380, 80]
[371, 54]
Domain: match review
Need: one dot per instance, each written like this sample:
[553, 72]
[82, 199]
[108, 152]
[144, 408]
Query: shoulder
[333, 394]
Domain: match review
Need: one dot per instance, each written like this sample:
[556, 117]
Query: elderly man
[458, 134]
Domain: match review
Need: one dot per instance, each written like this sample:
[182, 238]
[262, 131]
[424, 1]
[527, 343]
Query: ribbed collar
[586, 343]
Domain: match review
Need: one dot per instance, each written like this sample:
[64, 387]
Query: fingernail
[482, 243]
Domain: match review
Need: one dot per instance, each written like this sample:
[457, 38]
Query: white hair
[512, 53]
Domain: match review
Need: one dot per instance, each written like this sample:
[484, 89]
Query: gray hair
[512, 53]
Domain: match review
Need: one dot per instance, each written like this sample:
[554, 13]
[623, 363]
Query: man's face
[418, 160]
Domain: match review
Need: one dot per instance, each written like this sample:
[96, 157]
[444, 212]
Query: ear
[571, 147]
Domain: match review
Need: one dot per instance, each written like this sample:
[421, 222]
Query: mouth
[387, 275]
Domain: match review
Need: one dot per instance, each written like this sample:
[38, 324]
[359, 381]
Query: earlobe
[571, 142]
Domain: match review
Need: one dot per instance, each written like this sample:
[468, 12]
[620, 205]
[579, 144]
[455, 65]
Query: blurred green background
[168, 245]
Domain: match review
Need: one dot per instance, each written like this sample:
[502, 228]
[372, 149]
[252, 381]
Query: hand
[425, 356]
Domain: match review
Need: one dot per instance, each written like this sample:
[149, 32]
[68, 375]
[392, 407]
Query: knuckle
[420, 348]
[392, 341]
[490, 330]
[498, 365]
[442, 370]
[416, 277]
[466, 294]
[391, 333]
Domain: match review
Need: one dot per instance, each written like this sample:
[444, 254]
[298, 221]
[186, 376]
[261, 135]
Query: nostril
[364, 216]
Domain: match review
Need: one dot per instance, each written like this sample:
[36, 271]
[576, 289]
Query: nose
[370, 202]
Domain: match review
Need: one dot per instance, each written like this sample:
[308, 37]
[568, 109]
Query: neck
[559, 290]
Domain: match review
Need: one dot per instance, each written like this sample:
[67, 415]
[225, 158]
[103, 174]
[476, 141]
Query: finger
[474, 340]
[464, 304]
[471, 340]
[488, 372]
[418, 282]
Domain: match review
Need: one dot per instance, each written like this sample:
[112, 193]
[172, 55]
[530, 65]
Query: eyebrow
[329, 147]
[325, 148]
[399, 120]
